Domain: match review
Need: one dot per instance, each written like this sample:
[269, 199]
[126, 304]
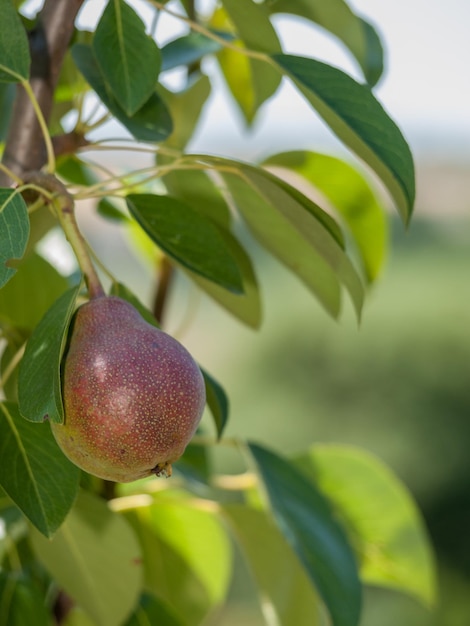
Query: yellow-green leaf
[385, 525]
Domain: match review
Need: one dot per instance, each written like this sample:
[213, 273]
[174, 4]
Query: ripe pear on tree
[133, 395]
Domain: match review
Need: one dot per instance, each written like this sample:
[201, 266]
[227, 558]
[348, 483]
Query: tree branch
[25, 150]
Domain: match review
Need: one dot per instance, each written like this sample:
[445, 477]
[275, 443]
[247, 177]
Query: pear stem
[64, 207]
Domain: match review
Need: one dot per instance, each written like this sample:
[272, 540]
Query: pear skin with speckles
[133, 395]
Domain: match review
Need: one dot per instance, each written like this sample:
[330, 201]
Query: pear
[133, 395]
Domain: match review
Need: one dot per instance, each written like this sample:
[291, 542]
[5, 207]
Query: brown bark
[24, 150]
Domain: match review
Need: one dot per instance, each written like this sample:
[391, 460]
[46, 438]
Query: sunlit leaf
[351, 195]
[34, 472]
[120, 44]
[385, 526]
[14, 231]
[281, 580]
[152, 122]
[187, 237]
[359, 120]
[186, 107]
[96, 559]
[337, 18]
[39, 383]
[14, 47]
[184, 548]
[307, 522]
[251, 81]
[279, 218]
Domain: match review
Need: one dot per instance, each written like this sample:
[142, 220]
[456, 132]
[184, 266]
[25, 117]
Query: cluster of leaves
[330, 520]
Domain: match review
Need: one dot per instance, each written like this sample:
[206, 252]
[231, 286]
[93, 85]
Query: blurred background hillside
[399, 385]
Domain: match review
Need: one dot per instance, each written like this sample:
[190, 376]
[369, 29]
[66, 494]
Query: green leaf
[190, 49]
[14, 230]
[285, 222]
[358, 119]
[152, 122]
[34, 472]
[252, 24]
[7, 99]
[78, 617]
[184, 547]
[152, 610]
[36, 281]
[246, 306]
[21, 602]
[129, 59]
[385, 526]
[109, 211]
[39, 384]
[217, 401]
[186, 107]
[14, 48]
[121, 291]
[351, 195]
[187, 237]
[251, 80]
[309, 526]
[196, 189]
[282, 581]
[96, 559]
[337, 18]
[194, 464]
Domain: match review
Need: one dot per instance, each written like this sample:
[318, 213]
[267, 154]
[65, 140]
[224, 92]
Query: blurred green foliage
[397, 386]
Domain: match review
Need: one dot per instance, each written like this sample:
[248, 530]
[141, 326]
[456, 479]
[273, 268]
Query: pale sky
[426, 87]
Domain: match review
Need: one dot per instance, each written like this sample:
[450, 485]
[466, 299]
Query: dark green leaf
[39, 479]
[14, 48]
[351, 195]
[95, 557]
[21, 602]
[358, 119]
[217, 401]
[190, 49]
[336, 17]
[152, 122]
[39, 384]
[279, 575]
[7, 98]
[36, 281]
[108, 210]
[152, 610]
[251, 80]
[384, 523]
[128, 58]
[307, 522]
[14, 230]
[187, 237]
